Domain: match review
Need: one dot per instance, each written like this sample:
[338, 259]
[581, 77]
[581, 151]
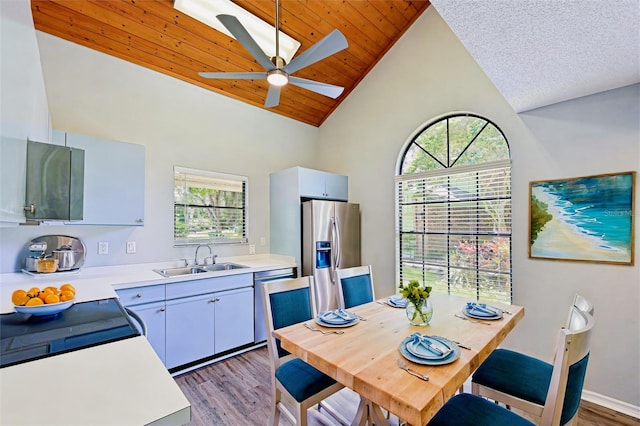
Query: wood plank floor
[236, 391]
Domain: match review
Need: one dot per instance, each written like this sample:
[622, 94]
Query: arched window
[453, 215]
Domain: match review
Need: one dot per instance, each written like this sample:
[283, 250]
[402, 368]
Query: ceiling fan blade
[273, 96]
[242, 35]
[235, 75]
[332, 43]
[315, 86]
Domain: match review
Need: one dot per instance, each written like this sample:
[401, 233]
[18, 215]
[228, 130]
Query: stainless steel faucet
[213, 258]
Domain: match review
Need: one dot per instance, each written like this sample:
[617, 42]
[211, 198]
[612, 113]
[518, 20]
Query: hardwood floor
[236, 392]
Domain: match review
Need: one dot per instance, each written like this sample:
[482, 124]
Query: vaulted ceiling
[152, 34]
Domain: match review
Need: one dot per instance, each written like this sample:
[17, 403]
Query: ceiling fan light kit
[277, 70]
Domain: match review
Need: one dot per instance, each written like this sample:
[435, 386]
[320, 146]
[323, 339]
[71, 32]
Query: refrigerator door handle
[335, 243]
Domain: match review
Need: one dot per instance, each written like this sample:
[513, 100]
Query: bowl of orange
[48, 301]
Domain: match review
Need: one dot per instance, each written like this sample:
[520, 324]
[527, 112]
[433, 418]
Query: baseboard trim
[611, 404]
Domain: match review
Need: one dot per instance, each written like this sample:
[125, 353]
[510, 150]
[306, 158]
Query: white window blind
[209, 207]
[454, 229]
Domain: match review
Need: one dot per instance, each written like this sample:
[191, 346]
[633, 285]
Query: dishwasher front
[259, 278]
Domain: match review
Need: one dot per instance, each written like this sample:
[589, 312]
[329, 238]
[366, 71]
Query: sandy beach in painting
[559, 240]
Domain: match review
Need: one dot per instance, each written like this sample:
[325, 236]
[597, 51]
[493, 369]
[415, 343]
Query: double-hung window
[453, 217]
[209, 207]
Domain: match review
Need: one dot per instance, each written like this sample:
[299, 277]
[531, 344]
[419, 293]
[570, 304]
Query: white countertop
[101, 282]
[120, 383]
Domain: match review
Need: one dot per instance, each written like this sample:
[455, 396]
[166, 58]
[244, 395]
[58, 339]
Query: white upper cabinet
[13, 160]
[113, 180]
[317, 184]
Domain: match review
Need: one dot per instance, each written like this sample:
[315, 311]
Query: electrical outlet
[131, 247]
[252, 249]
[263, 241]
[103, 247]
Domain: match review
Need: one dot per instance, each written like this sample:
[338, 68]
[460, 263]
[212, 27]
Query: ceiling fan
[277, 71]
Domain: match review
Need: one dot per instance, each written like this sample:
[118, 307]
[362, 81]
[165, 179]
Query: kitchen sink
[176, 272]
[192, 270]
[223, 267]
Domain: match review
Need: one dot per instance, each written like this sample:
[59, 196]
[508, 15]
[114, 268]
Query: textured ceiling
[540, 52]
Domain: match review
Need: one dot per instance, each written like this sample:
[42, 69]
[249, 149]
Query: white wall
[426, 74]
[179, 124]
[429, 73]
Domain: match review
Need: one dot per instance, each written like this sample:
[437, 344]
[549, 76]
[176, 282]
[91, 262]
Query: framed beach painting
[587, 219]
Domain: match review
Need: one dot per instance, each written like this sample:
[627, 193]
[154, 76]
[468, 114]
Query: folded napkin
[339, 316]
[424, 346]
[397, 301]
[481, 310]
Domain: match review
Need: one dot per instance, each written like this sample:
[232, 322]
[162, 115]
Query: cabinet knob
[139, 220]
[138, 295]
[214, 300]
[162, 309]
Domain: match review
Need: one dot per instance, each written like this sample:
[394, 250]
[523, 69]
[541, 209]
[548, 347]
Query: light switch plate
[103, 247]
[252, 249]
[131, 247]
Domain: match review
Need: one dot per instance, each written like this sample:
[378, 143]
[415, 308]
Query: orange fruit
[19, 297]
[33, 292]
[68, 286]
[66, 295]
[44, 293]
[34, 301]
[51, 299]
[53, 289]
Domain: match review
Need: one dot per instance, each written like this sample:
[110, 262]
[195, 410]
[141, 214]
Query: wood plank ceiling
[153, 34]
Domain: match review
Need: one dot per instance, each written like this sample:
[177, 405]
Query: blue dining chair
[355, 286]
[288, 302]
[548, 392]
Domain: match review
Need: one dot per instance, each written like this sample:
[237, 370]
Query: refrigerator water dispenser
[323, 254]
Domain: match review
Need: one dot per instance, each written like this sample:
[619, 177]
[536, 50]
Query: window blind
[454, 230]
[209, 207]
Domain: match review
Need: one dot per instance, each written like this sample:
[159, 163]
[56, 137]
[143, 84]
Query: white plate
[333, 317]
[480, 315]
[397, 302]
[454, 355]
[326, 324]
[41, 310]
[422, 351]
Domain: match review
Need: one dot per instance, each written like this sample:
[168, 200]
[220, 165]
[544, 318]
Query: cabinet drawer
[208, 285]
[138, 295]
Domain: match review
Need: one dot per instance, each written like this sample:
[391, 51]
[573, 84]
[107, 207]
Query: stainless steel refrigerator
[330, 241]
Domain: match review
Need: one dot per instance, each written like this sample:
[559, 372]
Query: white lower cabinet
[153, 314]
[190, 329]
[233, 319]
[193, 320]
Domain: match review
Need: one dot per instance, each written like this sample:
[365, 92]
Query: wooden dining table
[365, 357]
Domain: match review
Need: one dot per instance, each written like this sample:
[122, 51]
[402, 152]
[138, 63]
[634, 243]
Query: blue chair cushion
[515, 374]
[575, 382]
[469, 410]
[301, 379]
[356, 290]
[289, 307]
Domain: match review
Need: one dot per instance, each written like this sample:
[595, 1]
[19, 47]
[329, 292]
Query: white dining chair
[550, 393]
[355, 286]
[300, 385]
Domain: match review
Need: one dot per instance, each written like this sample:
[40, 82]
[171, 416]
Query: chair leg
[275, 411]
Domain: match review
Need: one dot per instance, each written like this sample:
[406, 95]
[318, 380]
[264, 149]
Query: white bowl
[50, 309]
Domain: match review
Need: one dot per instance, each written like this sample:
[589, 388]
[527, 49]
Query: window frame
[450, 170]
[214, 178]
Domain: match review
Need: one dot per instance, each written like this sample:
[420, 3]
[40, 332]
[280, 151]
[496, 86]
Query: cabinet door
[189, 329]
[113, 181]
[336, 187]
[322, 185]
[233, 319]
[13, 161]
[153, 315]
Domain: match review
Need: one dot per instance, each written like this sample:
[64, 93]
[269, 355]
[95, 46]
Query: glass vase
[420, 312]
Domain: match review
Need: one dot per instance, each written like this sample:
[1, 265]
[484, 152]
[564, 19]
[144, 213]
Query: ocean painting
[584, 219]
